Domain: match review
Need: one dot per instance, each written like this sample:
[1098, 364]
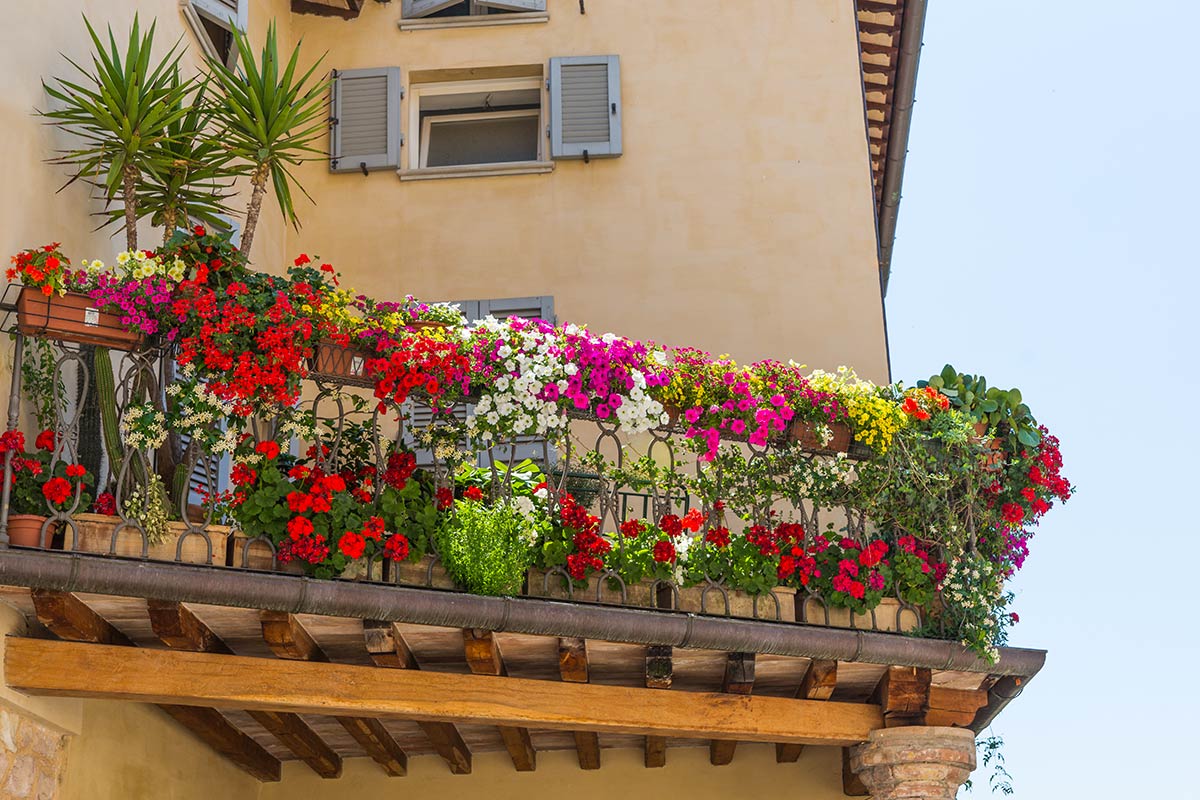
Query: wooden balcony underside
[321, 689]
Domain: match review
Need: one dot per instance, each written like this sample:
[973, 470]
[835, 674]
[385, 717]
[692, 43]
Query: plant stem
[130, 175]
[258, 183]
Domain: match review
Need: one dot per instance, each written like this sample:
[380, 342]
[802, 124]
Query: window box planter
[741, 604]
[554, 586]
[72, 318]
[95, 536]
[25, 530]
[425, 572]
[804, 433]
[889, 616]
[337, 361]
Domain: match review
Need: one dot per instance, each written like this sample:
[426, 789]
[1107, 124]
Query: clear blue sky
[1047, 240]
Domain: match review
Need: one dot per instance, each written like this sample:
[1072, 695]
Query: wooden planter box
[889, 616]
[418, 573]
[95, 536]
[804, 433]
[72, 318]
[336, 361]
[259, 556]
[741, 604]
[638, 594]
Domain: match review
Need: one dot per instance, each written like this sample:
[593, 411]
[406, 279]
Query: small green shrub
[486, 549]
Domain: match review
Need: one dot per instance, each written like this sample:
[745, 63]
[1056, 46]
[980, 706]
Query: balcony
[666, 548]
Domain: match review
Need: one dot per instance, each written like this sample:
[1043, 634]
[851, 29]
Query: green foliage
[124, 112]
[1002, 410]
[411, 511]
[269, 117]
[486, 549]
[38, 380]
[525, 478]
[991, 755]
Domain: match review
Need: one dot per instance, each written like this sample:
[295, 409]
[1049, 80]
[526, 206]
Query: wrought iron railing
[203, 538]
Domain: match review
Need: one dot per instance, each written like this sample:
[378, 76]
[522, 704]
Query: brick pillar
[915, 763]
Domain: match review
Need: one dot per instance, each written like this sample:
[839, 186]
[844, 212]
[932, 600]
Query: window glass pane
[484, 141]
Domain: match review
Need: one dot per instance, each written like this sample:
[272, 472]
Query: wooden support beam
[72, 619]
[903, 696]
[210, 726]
[386, 645]
[818, 684]
[484, 658]
[573, 668]
[289, 640]
[660, 672]
[68, 669]
[739, 679]
[954, 708]
[302, 740]
[178, 628]
[387, 648]
[379, 744]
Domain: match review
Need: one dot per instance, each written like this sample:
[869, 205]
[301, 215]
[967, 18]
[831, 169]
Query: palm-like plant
[269, 117]
[126, 111]
[193, 181]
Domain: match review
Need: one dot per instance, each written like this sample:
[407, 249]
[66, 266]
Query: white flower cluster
[529, 360]
[972, 584]
[201, 415]
[137, 264]
[143, 427]
[525, 507]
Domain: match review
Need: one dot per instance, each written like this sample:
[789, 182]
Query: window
[213, 23]
[476, 123]
[443, 9]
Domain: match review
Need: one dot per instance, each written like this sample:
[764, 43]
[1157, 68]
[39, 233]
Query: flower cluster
[519, 372]
[143, 427]
[44, 268]
[614, 377]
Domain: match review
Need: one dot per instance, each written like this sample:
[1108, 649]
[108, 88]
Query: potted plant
[54, 302]
[487, 549]
[40, 485]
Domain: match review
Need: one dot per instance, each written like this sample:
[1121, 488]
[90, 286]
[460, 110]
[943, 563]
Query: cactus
[106, 397]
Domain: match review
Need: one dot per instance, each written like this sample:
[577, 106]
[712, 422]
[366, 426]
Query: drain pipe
[69, 572]
[903, 97]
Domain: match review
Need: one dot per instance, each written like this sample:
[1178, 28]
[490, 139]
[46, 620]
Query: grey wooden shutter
[585, 107]
[366, 120]
[513, 5]
[422, 8]
[541, 307]
[222, 10]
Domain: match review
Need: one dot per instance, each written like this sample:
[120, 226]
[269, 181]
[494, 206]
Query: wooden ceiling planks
[530, 657]
[879, 23]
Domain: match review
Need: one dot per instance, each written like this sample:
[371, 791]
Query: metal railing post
[14, 418]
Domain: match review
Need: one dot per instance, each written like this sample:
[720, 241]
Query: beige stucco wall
[739, 218]
[753, 773]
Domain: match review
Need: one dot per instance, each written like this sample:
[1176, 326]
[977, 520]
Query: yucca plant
[125, 111]
[193, 181]
[269, 117]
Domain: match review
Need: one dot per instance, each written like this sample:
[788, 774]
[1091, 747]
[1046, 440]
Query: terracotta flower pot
[993, 460]
[72, 318]
[336, 361]
[806, 435]
[25, 530]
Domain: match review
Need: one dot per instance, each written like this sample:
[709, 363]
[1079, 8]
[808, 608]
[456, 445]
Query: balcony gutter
[904, 96]
[72, 572]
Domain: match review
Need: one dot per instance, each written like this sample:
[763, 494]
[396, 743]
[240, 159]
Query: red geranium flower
[352, 544]
[473, 493]
[397, 547]
[445, 498]
[76, 470]
[45, 440]
[664, 552]
[268, 449]
[57, 490]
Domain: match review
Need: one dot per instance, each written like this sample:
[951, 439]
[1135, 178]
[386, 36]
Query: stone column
[915, 763]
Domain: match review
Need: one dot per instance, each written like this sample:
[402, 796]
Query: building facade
[703, 173]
